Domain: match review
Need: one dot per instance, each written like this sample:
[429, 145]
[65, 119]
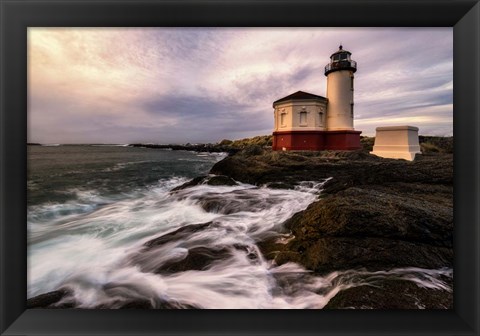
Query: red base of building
[316, 140]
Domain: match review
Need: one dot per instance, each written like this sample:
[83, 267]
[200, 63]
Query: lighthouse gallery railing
[340, 65]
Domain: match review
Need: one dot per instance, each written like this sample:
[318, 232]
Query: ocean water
[93, 212]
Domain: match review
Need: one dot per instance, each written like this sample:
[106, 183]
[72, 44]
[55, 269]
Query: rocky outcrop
[62, 299]
[199, 253]
[374, 214]
[216, 180]
[54, 300]
[375, 228]
[391, 294]
[211, 148]
[348, 168]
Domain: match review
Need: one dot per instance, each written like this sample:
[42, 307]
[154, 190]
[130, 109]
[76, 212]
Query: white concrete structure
[396, 142]
[340, 79]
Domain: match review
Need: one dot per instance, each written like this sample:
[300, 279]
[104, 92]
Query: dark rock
[340, 253]
[138, 304]
[197, 259]
[151, 258]
[346, 168]
[280, 185]
[232, 202]
[127, 304]
[380, 212]
[377, 228]
[200, 258]
[217, 180]
[194, 182]
[50, 300]
[145, 304]
[272, 245]
[391, 294]
[175, 305]
[221, 180]
[56, 300]
[374, 212]
[210, 148]
[178, 234]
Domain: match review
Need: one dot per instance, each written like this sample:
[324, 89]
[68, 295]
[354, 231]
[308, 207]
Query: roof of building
[341, 50]
[300, 95]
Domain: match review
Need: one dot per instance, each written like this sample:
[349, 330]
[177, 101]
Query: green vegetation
[434, 144]
[261, 141]
[367, 142]
[225, 142]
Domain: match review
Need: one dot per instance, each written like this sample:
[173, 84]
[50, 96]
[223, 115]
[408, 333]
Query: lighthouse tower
[340, 78]
[306, 121]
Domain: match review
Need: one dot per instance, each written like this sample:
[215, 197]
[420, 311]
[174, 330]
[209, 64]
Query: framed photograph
[200, 167]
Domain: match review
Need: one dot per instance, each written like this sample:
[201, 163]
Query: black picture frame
[17, 15]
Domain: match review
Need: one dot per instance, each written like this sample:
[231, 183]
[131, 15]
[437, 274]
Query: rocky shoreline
[373, 214]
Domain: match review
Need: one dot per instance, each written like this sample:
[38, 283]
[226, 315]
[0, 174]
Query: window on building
[283, 120]
[320, 118]
[351, 110]
[303, 118]
[351, 82]
[343, 56]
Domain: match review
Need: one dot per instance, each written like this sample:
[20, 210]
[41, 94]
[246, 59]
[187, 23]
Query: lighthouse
[306, 121]
[340, 78]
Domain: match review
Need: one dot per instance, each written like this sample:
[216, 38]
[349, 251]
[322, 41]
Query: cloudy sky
[178, 85]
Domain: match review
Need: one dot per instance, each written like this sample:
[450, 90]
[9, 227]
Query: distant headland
[428, 144]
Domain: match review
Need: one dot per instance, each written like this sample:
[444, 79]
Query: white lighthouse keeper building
[306, 121]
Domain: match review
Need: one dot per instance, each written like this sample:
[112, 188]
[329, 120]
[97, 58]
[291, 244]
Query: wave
[123, 165]
[197, 247]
